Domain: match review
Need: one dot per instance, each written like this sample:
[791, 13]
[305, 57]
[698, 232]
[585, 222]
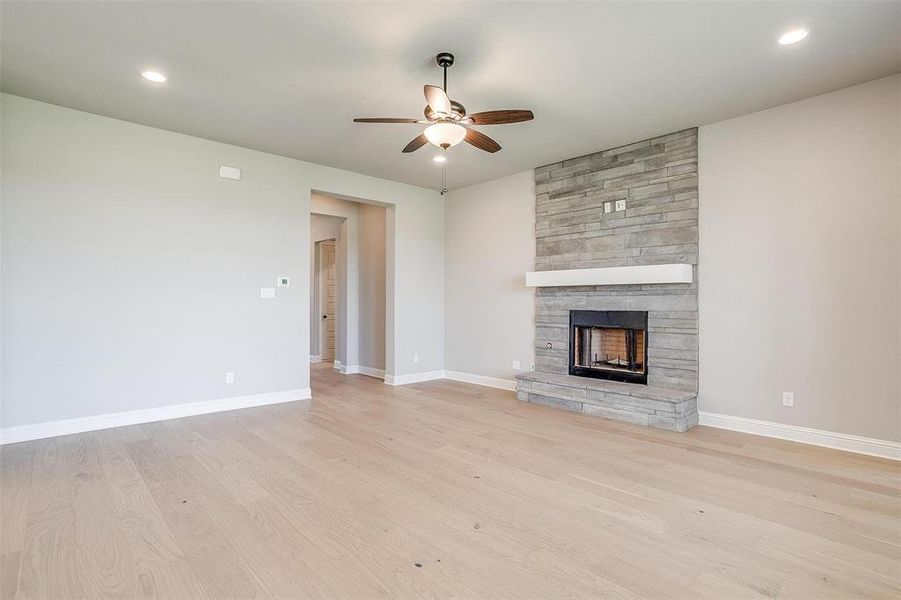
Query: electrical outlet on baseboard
[788, 399]
[230, 377]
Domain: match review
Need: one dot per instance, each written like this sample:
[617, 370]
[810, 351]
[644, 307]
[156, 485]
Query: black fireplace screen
[609, 345]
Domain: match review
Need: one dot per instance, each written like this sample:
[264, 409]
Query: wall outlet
[531, 366]
[515, 365]
[608, 207]
[788, 399]
[416, 358]
[620, 205]
[267, 293]
[230, 377]
[283, 281]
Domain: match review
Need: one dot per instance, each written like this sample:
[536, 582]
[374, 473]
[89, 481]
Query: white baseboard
[494, 382]
[361, 369]
[413, 377]
[805, 435]
[36, 431]
[371, 372]
[315, 358]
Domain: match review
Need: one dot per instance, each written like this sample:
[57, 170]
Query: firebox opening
[609, 345]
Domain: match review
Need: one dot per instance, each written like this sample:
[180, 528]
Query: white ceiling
[287, 78]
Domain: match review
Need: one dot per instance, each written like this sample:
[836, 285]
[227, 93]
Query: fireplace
[609, 344]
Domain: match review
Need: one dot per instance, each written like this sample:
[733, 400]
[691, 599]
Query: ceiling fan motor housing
[458, 111]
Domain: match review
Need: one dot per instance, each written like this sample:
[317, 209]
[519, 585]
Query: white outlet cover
[608, 207]
[788, 399]
[267, 293]
[620, 205]
[416, 358]
[230, 377]
[515, 365]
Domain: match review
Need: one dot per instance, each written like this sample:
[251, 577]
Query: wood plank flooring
[440, 490]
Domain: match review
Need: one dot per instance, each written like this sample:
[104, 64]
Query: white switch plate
[416, 358]
[230, 377]
[515, 365]
[230, 173]
[788, 399]
[267, 293]
[608, 207]
[531, 366]
[620, 205]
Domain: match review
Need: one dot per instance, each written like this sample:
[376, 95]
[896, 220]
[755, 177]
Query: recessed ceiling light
[793, 36]
[440, 159]
[154, 76]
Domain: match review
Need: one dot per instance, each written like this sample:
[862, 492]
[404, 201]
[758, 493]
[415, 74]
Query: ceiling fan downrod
[445, 60]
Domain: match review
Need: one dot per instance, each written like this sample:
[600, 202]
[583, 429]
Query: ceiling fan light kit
[448, 123]
[445, 135]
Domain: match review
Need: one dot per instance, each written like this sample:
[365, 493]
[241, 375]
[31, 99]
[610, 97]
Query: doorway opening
[349, 285]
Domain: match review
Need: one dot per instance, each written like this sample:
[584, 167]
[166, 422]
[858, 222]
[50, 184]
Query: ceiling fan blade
[385, 120]
[501, 117]
[416, 143]
[437, 99]
[481, 141]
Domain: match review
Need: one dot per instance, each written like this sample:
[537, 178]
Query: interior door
[330, 301]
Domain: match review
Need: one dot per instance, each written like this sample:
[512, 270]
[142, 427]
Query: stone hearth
[639, 404]
[658, 181]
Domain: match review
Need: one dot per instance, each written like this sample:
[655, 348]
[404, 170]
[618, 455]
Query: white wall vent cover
[642, 274]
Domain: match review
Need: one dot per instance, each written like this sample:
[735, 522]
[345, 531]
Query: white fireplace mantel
[643, 274]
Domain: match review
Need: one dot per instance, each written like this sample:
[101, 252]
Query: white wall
[800, 241]
[490, 246]
[131, 272]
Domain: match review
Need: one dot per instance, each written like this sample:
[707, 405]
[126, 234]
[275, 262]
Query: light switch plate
[620, 205]
[608, 207]
[267, 293]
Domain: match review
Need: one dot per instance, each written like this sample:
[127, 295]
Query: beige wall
[131, 271]
[800, 258]
[490, 246]
[372, 286]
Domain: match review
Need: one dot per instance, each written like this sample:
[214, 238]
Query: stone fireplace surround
[658, 180]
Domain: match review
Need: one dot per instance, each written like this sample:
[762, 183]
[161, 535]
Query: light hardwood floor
[440, 490]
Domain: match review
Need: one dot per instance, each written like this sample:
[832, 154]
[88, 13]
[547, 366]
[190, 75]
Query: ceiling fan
[448, 123]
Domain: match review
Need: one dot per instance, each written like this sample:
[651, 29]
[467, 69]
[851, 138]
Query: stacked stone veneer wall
[658, 179]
